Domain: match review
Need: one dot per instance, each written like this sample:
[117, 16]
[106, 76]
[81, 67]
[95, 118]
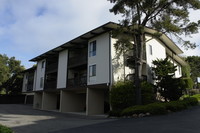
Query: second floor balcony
[80, 81]
[77, 61]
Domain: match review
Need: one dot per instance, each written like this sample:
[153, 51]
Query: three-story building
[77, 76]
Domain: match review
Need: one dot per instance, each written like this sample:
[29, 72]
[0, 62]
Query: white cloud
[30, 27]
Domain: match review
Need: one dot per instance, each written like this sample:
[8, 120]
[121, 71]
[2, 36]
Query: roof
[30, 69]
[77, 42]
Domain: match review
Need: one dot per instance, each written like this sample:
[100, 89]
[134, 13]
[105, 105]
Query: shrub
[175, 106]
[190, 101]
[122, 95]
[197, 96]
[116, 113]
[153, 108]
[148, 95]
[4, 129]
[160, 108]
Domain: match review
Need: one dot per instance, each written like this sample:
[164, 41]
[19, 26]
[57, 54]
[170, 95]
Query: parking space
[24, 119]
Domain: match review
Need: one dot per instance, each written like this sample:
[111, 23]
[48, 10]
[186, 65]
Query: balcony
[52, 68]
[50, 85]
[29, 87]
[74, 82]
[77, 61]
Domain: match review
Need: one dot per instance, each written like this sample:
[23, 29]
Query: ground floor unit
[91, 101]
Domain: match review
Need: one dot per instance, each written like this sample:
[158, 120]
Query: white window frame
[150, 50]
[92, 48]
[92, 70]
[41, 82]
[43, 64]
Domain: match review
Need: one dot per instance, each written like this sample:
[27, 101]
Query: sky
[29, 28]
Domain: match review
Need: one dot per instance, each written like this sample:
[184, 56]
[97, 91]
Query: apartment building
[77, 76]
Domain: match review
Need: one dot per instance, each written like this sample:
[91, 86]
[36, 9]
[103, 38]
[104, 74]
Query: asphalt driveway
[23, 119]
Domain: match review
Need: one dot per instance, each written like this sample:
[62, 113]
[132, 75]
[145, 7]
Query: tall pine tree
[165, 16]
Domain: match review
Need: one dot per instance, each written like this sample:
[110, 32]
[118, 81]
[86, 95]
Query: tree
[165, 16]
[10, 76]
[194, 62]
[186, 79]
[170, 88]
[4, 69]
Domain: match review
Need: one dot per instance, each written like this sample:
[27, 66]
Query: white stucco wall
[101, 60]
[34, 81]
[178, 72]
[119, 70]
[25, 82]
[158, 52]
[40, 74]
[62, 69]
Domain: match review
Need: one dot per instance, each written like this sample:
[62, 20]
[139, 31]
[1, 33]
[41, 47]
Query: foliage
[170, 17]
[154, 109]
[148, 94]
[160, 108]
[4, 129]
[163, 69]
[10, 76]
[169, 87]
[14, 84]
[197, 96]
[187, 83]
[122, 95]
[194, 62]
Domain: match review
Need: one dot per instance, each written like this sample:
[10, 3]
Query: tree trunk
[138, 66]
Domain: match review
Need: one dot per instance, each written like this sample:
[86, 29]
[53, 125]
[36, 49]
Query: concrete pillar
[37, 102]
[72, 102]
[95, 102]
[49, 101]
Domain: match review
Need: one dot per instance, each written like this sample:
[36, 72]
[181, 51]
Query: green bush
[187, 83]
[197, 96]
[4, 129]
[160, 108]
[148, 95]
[153, 108]
[175, 106]
[122, 96]
[116, 113]
[190, 101]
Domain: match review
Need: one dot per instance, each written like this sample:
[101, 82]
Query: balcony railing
[76, 61]
[29, 88]
[50, 85]
[81, 81]
[52, 67]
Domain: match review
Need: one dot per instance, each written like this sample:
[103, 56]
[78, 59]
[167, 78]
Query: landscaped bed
[157, 108]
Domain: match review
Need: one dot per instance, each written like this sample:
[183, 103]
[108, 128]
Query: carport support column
[37, 102]
[94, 102]
[49, 101]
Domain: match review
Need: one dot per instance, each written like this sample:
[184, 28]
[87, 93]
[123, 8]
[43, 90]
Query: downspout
[110, 67]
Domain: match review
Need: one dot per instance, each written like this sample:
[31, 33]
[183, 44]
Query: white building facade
[77, 76]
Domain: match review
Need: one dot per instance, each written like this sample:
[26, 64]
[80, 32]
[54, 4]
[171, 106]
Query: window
[41, 82]
[92, 48]
[43, 64]
[92, 70]
[179, 70]
[150, 50]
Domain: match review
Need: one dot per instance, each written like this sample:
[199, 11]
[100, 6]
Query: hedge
[158, 108]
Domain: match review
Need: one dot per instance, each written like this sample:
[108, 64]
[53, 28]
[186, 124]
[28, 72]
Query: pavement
[24, 119]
